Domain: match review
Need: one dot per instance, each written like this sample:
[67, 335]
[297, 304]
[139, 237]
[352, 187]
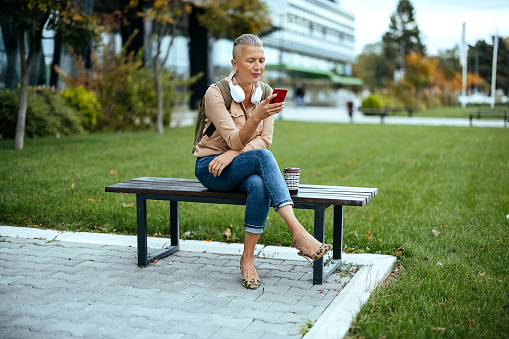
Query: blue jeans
[256, 173]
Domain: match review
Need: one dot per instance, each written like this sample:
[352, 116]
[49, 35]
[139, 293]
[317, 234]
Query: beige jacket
[228, 124]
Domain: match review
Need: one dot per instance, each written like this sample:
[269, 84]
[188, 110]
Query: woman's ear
[234, 64]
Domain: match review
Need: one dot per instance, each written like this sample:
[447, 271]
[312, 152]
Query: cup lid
[292, 170]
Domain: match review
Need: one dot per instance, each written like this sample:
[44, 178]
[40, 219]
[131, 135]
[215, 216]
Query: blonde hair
[243, 40]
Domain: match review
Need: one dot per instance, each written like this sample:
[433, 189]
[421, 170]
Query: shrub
[125, 89]
[86, 103]
[47, 114]
[8, 113]
[372, 101]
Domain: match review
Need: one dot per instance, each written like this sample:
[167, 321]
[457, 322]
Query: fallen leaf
[483, 248]
[35, 226]
[90, 200]
[438, 329]
[483, 274]
[227, 233]
[72, 186]
[22, 246]
[113, 172]
[209, 239]
[435, 232]
[131, 204]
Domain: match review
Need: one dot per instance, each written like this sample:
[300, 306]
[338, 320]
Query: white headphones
[238, 93]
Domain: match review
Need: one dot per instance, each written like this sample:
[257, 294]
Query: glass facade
[312, 33]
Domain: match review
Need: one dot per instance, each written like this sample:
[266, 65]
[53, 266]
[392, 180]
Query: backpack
[201, 118]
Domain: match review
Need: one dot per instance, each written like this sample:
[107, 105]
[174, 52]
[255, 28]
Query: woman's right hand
[265, 109]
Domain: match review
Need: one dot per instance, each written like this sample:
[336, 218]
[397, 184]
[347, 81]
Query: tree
[219, 19]
[419, 73]
[166, 16]
[29, 18]
[369, 66]
[484, 52]
[402, 37]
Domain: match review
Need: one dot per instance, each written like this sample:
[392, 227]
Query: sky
[440, 21]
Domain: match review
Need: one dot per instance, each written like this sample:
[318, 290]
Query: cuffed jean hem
[283, 203]
[254, 229]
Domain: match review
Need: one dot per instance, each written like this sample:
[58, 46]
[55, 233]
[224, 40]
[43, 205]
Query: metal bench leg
[174, 223]
[319, 232]
[141, 225]
[338, 232]
[174, 234]
[321, 273]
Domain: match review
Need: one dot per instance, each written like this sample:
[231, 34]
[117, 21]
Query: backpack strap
[225, 91]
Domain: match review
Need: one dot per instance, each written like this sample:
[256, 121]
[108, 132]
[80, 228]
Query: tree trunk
[34, 74]
[199, 57]
[159, 90]
[159, 96]
[418, 101]
[53, 80]
[23, 95]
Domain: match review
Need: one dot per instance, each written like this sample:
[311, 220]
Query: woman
[236, 156]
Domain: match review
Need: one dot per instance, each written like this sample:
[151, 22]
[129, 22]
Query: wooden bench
[489, 114]
[313, 197]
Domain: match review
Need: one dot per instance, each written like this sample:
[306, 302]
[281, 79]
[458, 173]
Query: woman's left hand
[219, 163]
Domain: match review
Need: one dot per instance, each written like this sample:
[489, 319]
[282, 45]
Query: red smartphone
[281, 95]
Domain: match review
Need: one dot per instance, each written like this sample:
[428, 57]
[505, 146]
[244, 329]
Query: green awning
[316, 74]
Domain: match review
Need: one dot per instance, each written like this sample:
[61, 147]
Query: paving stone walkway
[62, 289]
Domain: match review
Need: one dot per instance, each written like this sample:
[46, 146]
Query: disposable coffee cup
[292, 176]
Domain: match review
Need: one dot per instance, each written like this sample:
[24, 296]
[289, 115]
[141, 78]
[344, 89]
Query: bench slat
[177, 182]
[314, 194]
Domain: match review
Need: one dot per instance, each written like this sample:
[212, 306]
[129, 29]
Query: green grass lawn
[442, 206]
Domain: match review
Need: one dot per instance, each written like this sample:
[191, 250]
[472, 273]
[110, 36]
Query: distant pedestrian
[349, 105]
[235, 155]
[299, 94]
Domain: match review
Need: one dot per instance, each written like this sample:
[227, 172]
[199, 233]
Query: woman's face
[249, 65]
